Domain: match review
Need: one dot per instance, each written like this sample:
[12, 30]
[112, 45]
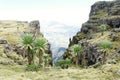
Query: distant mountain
[61, 49]
[59, 54]
[58, 35]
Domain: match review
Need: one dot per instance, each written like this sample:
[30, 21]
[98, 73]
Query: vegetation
[17, 72]
[34, 46]
[78, 49]
[102, 28]
[40, 45]
[27, 41]
[32, 67]
[46, 60]
[37, 48]
[105, 45]
[64, 64]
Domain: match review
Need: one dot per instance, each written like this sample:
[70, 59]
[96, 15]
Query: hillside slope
[103, 13]
[11, 33]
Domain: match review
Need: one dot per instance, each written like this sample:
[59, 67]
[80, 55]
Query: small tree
[40, 45]
[102, 28]
[105, 45]
[27, 41]
[78, 49]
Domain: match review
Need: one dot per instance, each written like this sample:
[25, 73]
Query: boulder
[114, 36]
[35, 28]
[3, 41]
[35, 24]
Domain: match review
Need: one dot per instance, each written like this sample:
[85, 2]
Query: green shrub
[27, 39]
[77, 51]
[102, 27]
[32, 67]
[64, 64]
[105, 44]
[81, 36]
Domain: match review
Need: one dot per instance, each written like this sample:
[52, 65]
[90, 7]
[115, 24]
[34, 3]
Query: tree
[40, 45]
[102, 28]
[105, 45]
[27, 41]
[78, 49]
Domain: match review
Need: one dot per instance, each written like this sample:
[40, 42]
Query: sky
[70, 12]
[60, 13]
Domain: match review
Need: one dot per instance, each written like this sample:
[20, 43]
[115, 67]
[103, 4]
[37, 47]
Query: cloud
[72, 16]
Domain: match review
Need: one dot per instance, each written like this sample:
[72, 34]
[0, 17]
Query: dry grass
[98, 37]
[17, 72]
[11, 30]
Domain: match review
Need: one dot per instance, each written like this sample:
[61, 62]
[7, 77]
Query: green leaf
[78, 49]
[27, 39]
[40, 43]
[102, 27]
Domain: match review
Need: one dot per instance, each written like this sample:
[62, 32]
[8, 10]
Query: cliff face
[102, 12]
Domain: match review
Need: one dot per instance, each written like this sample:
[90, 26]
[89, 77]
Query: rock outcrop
[11, 32]
[102, 12]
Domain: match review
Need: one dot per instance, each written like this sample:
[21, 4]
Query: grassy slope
[11, 30]
[17, 72]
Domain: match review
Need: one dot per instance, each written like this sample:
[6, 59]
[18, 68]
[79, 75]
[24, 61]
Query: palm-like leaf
[40, 43]
[77, 49]
[27, 39]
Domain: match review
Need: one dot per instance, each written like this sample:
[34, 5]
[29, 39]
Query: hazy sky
[72, 12]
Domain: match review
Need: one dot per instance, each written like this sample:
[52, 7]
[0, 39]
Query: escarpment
[102, 13]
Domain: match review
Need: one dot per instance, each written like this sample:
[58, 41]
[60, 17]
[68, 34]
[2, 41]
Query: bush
[32, 67]
[102, 27]
[64, 64]
[105, 44]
